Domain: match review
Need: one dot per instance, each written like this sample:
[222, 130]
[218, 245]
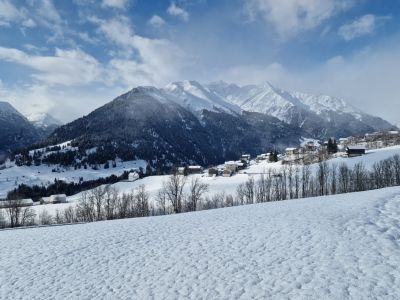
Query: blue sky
[69, 57]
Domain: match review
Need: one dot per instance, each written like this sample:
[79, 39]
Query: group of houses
[312, 151]
[374, 140]
[233, 166]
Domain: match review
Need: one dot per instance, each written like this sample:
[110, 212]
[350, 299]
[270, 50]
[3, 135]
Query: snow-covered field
[11, 177]
[336, 247]
[218, 184]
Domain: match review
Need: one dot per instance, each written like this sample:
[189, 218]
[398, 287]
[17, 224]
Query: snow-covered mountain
[189, 122]
[43, 120]
[319, 115]
[44, 123]
[154, 125]
[15, 130]
[196, 97]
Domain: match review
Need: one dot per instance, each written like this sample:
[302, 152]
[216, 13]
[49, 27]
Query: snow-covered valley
[334, 247]
[217, 185]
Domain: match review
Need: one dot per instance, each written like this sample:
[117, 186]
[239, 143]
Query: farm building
[212, 172]
[231, 166]
[227, 173]
[245, 158]
[356, 150]
[194, 170]
[54, 199]
[60, 198]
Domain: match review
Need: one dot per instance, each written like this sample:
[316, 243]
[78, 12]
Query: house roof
[357, 147]
[194, 167]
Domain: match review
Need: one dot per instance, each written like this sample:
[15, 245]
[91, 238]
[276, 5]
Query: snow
[323, 103]
[335, 247]
[217, 185]
[44, 120]
[11, 177]
[196, 97]
[7, 108]
[265, 98]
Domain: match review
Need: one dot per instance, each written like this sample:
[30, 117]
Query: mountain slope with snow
[43, 120]
[320, 116]
[44, 123]
[196, 97]
[15, 130]
[335, 247]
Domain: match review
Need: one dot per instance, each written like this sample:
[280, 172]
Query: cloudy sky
[69, 57]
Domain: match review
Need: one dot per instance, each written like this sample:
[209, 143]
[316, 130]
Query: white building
[133, 176]
[60, 198]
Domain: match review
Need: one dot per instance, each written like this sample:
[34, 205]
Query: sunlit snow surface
[336, 247]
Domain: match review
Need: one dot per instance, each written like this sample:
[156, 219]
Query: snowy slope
[296, 108]
[43, 120]
[336, 247]
[7, 109]
[11, 177]
[196, 97]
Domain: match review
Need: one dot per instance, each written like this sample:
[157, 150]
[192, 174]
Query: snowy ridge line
[42, 226]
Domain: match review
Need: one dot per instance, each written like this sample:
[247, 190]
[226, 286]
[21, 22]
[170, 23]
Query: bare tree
[162, 201]
[98, 195]
[333, 179]
[58, 218]
[125, 205]
[174, 190]
[196, 191]
[344, 178]
[142, 202]
[19, 214]
[45, 218]
[3, 221]
[69, 215]
[85, 208]
[322, 175]
[305, 181]
[110, 201]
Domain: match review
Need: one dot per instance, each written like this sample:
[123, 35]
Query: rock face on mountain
[15, 130]
[187, 122]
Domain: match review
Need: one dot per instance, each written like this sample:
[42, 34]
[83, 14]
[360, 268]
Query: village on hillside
[308, 151]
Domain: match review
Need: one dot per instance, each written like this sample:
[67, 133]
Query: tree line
[180, 193]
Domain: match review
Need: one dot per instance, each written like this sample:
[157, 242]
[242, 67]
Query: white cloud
[156, 21]
[252, 74]
[29, 23]
[121, 4]
[64, 103]
[357, 79]
[66, 67]
[290, 17]
[365, 25]
[177, 11]
[8, 12]
[140, 60]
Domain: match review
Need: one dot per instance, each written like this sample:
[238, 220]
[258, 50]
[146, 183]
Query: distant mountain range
[17, 131]
[187, 122]
[44, 123]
